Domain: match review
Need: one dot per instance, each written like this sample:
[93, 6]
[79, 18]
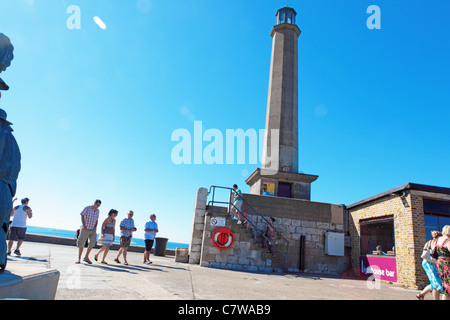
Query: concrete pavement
[167, 280]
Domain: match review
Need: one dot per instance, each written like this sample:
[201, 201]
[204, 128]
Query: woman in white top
[429, 265]
[108, 233]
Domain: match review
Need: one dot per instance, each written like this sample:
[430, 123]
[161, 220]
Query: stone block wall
[293, 218]
[198, 221]
[244, 255]
[296, 217]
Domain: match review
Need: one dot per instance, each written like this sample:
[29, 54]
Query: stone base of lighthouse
[281, 184]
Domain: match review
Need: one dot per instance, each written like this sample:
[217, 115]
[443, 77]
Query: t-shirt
[151, 226]
[90, 217]
[20, 216]
[237, 192]
[127, 224]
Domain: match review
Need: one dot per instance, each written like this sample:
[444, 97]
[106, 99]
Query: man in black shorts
[151, 228]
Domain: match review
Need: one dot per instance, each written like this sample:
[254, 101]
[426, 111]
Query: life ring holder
[223, 238]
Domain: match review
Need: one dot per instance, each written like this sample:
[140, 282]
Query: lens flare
[100, 23]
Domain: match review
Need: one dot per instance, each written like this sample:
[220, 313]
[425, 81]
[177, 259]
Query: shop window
[437, 215]
[436, 207]
[376, 235]
[433, 222]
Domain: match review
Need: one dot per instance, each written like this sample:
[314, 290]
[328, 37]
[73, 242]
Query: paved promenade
[167, 280]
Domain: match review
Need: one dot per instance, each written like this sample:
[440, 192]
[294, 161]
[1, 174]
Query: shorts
[125, 242]
[17, 233]
[148, 245]
[84, 236]
[237, 205]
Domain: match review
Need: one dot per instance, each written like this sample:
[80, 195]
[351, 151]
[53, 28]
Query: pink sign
[382, 267]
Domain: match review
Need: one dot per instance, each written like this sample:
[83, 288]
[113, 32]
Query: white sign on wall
[334, 244]
[218, 222]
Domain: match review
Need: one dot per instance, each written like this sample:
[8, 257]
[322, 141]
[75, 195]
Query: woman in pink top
[443, 261]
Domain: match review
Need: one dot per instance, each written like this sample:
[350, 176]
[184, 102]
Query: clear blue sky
[94, 110]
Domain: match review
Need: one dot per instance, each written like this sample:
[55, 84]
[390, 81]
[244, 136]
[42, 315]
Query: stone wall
[198, 222]
[294, 218]
[245, 253]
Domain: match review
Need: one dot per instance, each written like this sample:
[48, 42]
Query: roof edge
[406, 186]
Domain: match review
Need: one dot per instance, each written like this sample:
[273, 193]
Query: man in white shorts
[89, 219]
[237, 204]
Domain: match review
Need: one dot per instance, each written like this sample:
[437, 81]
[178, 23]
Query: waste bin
[160, 246]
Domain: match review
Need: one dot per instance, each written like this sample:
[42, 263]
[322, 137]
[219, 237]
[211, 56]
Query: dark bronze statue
[9, 155]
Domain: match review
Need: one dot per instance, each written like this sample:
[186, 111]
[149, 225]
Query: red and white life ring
[223, 238]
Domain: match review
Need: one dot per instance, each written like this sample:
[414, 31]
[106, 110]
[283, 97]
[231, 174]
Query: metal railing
[256, 220]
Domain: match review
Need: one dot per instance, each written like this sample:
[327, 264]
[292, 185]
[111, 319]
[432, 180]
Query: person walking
[19, 225]
[89, 219]
[126, 231]
[442, 246]
[429, 265]
[269, 236]
[151, 229]
[246, 222]
[108, 233]
[237, 204]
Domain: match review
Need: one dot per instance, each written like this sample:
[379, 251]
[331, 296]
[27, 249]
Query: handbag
[434, 252]
[428, 254]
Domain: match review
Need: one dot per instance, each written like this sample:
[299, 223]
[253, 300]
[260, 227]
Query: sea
[71, 235]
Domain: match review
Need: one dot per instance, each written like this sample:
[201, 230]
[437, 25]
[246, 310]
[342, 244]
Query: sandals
[420, 296]
[118, 261]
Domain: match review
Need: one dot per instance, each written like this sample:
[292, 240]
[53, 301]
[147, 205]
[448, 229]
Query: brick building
[399, 220]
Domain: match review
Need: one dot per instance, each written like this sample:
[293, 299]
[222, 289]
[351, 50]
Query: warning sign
[217, 222]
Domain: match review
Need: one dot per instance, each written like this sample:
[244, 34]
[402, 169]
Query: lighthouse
[279, 175]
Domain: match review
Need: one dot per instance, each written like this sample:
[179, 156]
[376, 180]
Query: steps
[272, 263]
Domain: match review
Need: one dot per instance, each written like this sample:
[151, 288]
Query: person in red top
[89, 219]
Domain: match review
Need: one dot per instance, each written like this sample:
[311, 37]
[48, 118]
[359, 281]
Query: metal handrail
[254, 225]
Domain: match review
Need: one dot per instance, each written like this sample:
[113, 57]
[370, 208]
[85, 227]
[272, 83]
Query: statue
[9, 155]
[6, 56]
